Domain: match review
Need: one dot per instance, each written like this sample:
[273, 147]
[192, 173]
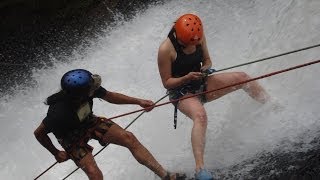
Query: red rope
[231, 85]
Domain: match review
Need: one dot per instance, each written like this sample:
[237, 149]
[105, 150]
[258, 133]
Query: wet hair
[56, 97]
[63, 96]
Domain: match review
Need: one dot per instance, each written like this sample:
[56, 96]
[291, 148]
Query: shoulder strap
[174, 41]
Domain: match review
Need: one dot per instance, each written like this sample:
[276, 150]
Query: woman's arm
[207, 63]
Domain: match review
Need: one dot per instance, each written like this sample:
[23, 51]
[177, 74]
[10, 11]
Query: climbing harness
[180, 91]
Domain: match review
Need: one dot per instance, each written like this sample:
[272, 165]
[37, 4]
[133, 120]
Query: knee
[242, 76]
[94, 173]
[130, 140]
[201, 118]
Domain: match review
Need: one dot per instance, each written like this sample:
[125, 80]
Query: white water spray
[125, 57]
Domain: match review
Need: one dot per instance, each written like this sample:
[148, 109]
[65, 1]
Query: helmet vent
[76, 81]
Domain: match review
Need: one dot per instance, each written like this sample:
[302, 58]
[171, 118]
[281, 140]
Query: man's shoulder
[58, 113]
[59, 109]
[60, 105]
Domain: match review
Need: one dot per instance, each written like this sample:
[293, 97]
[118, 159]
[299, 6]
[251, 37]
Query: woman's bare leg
[193, 108]
[253, 89]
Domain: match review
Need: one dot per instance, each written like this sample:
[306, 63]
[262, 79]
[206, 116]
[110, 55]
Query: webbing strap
[175, 115]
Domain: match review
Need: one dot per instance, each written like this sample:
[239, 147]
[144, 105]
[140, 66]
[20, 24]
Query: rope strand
[270, 57]
[46, 170]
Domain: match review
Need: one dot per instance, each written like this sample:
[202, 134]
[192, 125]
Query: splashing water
[239, 129]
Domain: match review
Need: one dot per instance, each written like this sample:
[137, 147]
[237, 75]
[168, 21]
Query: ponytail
[57, 97]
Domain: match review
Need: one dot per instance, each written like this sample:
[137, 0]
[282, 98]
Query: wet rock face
[32, 29]
[24, 15]
[279, 165]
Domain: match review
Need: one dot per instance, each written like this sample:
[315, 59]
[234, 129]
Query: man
[71, 120]
[183, 62]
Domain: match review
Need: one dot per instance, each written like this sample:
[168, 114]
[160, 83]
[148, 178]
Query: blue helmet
[77, 82]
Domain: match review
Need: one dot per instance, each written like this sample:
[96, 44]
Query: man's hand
[149, 105]
[61, 156]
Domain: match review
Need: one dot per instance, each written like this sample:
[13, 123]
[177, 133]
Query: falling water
[240, 131]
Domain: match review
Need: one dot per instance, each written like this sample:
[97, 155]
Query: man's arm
[41, 135]
[117, 98]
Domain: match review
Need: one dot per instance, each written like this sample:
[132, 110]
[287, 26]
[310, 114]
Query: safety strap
[178, 93]
[175, 115]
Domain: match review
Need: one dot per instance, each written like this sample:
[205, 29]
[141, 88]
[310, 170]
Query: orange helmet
[189, 29]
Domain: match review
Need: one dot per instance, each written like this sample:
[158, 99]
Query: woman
[184, 62]
[71, 120]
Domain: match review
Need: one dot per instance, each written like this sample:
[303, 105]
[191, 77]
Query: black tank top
[185, 63]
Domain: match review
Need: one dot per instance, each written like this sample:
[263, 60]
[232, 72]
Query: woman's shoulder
[166, 47]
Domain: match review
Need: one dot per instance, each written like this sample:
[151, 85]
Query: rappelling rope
[251, 62]
[205, 92]
[270, 57]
